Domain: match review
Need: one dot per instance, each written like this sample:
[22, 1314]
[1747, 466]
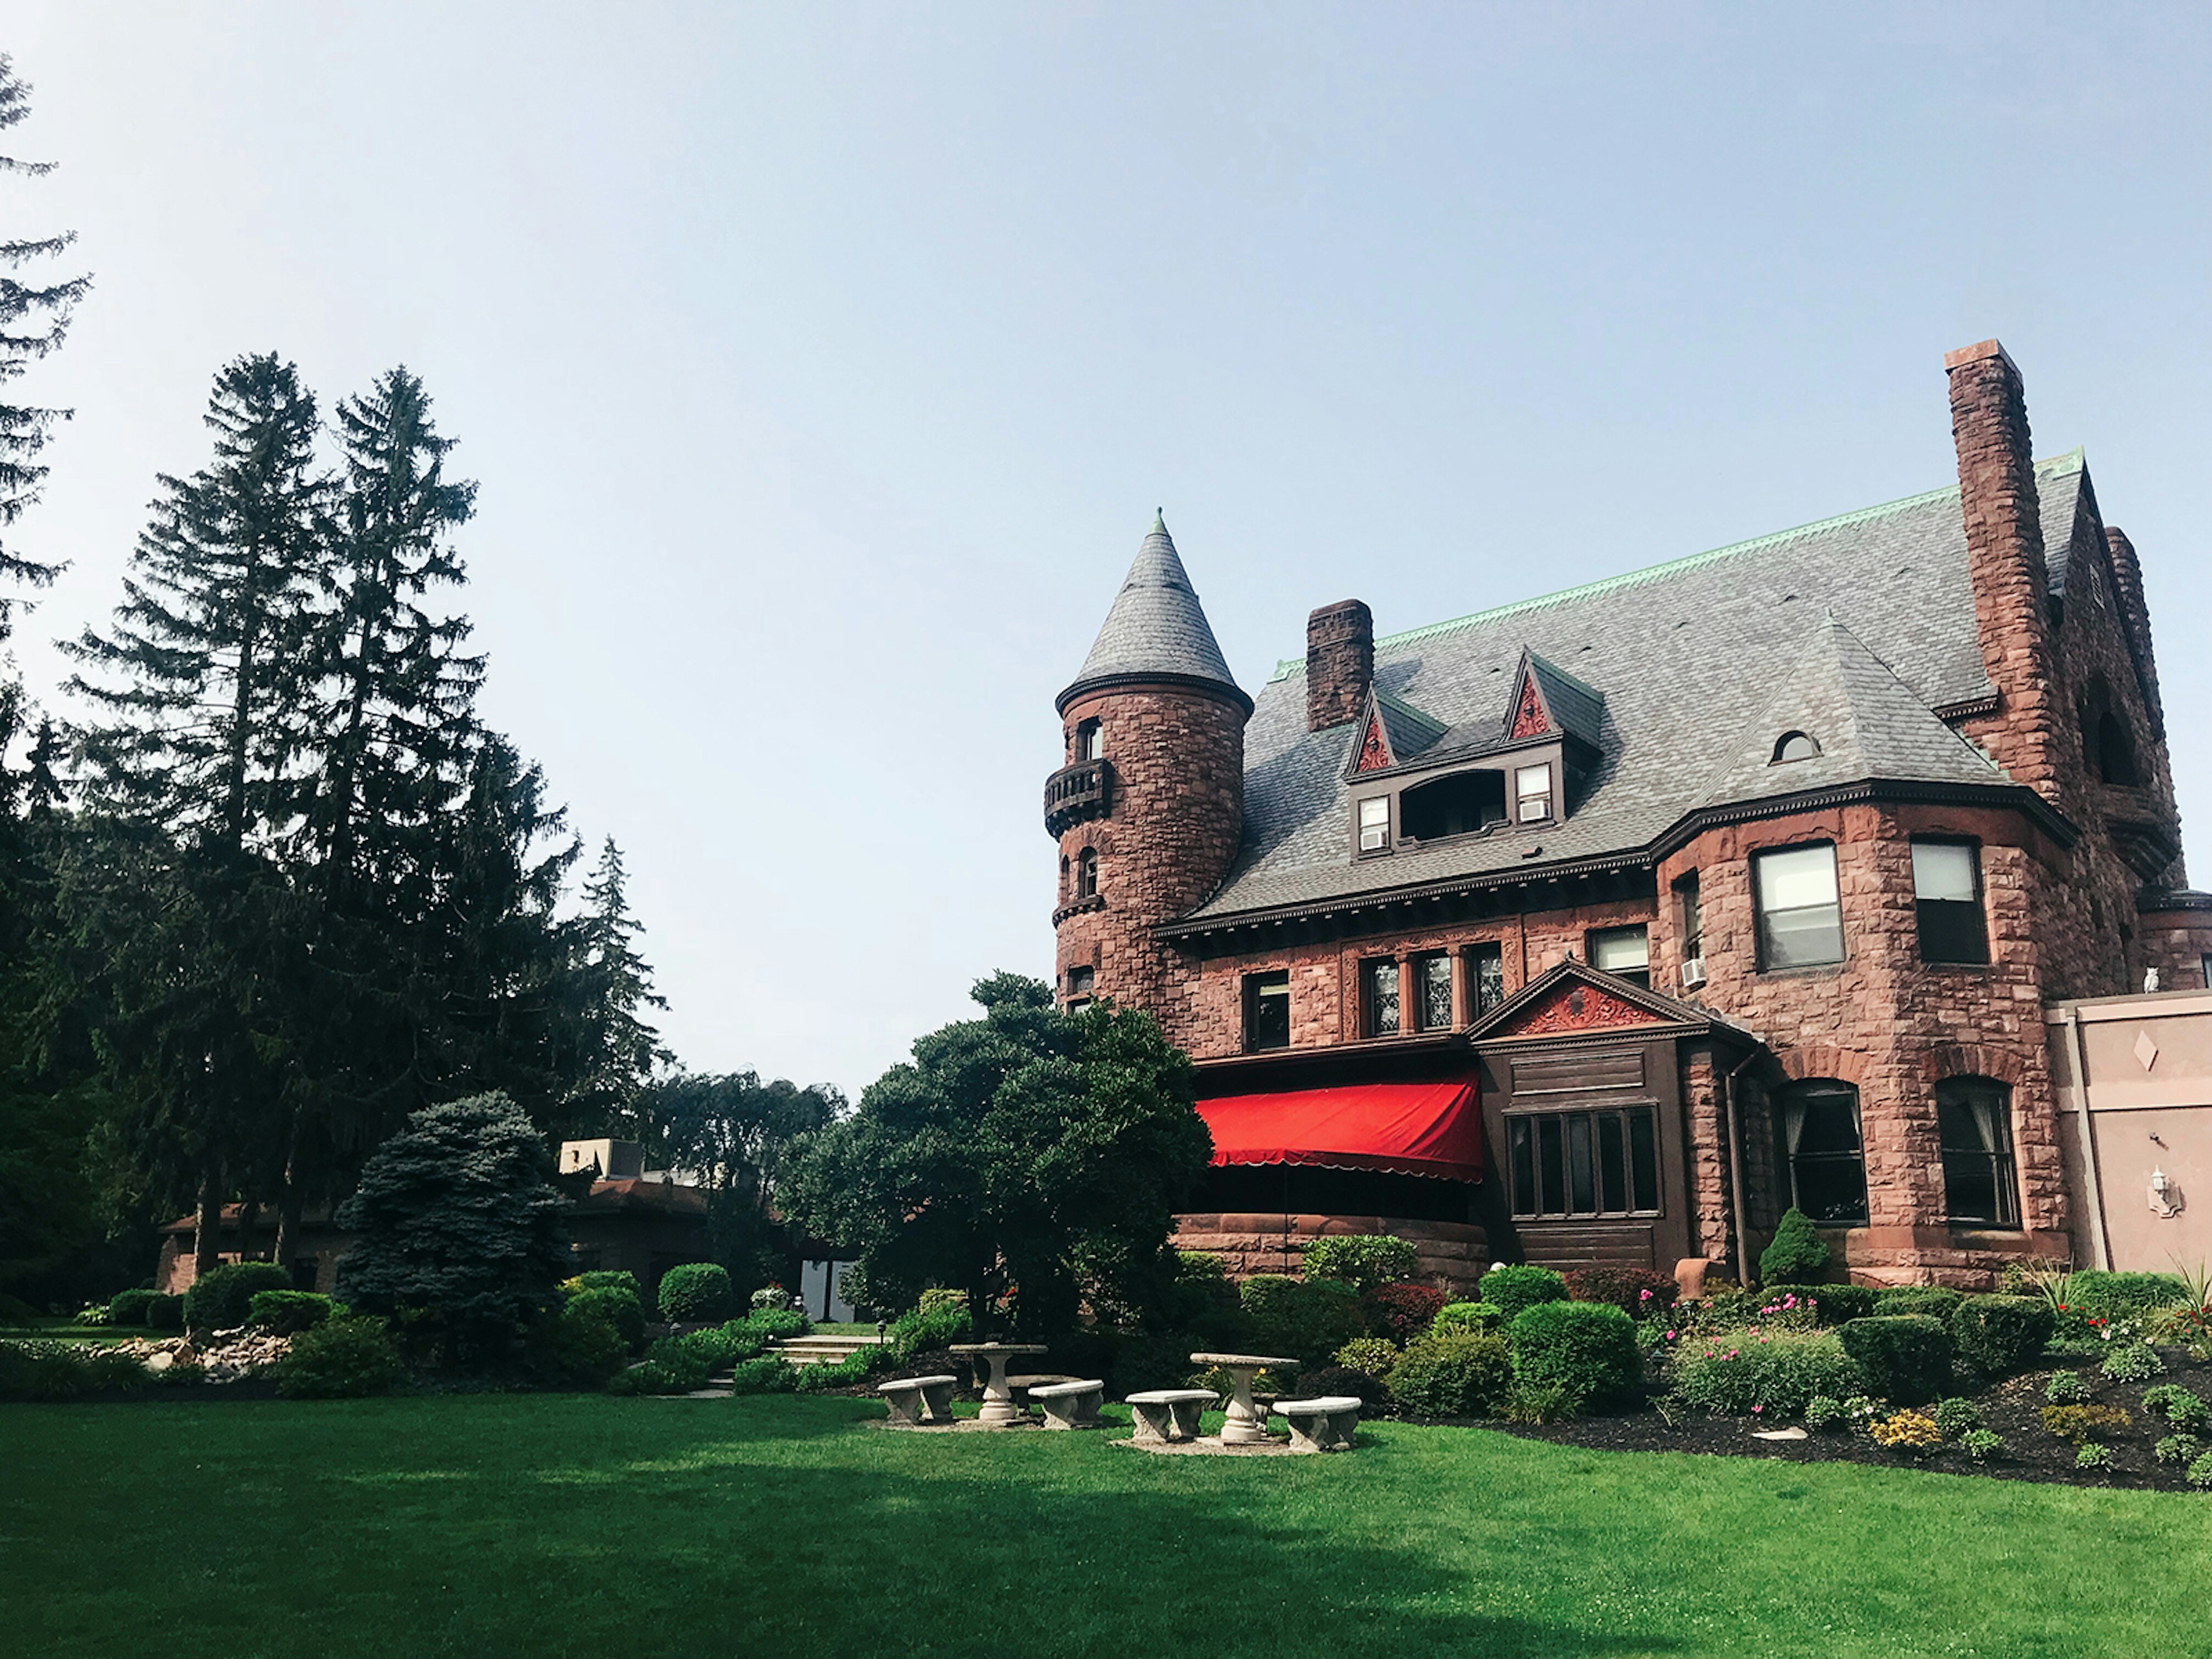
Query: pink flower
[1646, 1297]
[1756, 1410]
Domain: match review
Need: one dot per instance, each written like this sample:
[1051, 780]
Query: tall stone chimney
[1339, 663]
[2127, 575]
[2005, 562]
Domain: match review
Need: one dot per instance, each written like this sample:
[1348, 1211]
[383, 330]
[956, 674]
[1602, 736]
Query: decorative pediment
[1574, 1007]
[1392, 732]
[1549, 701]
[1374, 754]
[1575, 997]
[1530, 718]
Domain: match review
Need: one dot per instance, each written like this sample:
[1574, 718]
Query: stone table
[1245, 1425]
[999, 1408]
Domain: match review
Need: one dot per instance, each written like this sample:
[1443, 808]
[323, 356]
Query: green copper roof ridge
[2073, 460]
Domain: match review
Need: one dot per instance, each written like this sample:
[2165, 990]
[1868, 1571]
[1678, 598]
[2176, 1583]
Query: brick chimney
[2004, 560]
[2127, 576]
[1339, 663]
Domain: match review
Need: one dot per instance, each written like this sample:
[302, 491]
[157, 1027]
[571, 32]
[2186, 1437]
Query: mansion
[1604, 927]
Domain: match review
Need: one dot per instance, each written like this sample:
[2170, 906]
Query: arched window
[1973, 1120]
[2115, 756]
[1794, 747]
[1063, 877]
[1086, 873]
[1090, 740]
[1452, 805]
[1817, 1122]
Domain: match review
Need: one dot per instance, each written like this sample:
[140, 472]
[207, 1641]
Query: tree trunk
[289, 1205]
[207, 1231]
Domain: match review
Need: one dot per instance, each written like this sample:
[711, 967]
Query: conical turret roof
[1156, 631]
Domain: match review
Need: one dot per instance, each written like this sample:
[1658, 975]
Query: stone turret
[1148, 807]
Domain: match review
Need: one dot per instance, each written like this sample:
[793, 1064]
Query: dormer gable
[1549, 701]
[1392, 734]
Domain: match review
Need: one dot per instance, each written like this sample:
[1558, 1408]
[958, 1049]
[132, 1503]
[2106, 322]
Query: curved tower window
[1090, 740]
[1086, 873]
[2115, 756]
[1818, 1121]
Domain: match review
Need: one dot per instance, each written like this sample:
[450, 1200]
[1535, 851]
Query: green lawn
[771, 1527]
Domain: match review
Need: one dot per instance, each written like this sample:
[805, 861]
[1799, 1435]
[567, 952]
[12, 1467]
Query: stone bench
[1165, 1414]
[1324, 1425]
[914, 1400]
[1070, 1405]
[1019, 1386]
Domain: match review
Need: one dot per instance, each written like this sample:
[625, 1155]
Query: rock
[160, 1361]
[1778, 1434]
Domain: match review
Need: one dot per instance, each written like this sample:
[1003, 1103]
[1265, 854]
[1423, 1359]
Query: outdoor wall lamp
[2165, 1197]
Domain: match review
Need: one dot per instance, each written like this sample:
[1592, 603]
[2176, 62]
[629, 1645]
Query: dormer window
[1375, 824]
[1532, 793]
[1794, 747]
[1090, 740]
[1457, 804]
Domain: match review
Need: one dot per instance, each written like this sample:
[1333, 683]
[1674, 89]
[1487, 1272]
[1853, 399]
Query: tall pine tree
[621, 1050]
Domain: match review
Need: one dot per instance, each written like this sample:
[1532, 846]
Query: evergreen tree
[620, 1050]
[732, 1131]
[34, 318]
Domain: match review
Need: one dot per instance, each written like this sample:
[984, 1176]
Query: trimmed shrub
[1771, 1374]
[605, 1279]
[2178, 1405]
[768, 1374]
[1361, 1260]
[287, 1313]
[1906, 1431]
[588, 1345]
[775, 1297]
[1510, 1288]
[1999, 1335]
[1833, 1305]
[778, 1322]
[668, 1368]
[698, 1293]
[1451, 1374]
[1401, 1312]
[165, 1313]
[854, 1368]
[1587, 1348]
[1957, 1418]
[2079, 1423]
[2133, 1362]
[1636, 1291]
[340, 1360]
[924, 1327]
[1468, 1316]
[1798, 1255]
[1325, 1379]
[2181, 1450]
[2110, 1296]
[129, 1307]
[2066, 1389]
[1900, 1301]
[222, 1300]
[1906, 1356]
[619, 1305]
[1981, 1445]
[1306, 1319]
[1373, 1354]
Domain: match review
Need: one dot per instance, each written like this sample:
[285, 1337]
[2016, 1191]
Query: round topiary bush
[165, 1313]
[223, 1298]
[697, 1293]
[618, 1305]
[340, 1360]
[1587, 1349]
[129, 1307]
[287, 1313]
[1510, 1288]
[1374, 1355]
[1999, 1335]
[1798, 1255]
[1906, 1356]
[1936, 1301]
[1451, 1374]
[588, 1347]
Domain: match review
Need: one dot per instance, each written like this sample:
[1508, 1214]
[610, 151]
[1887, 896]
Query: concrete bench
[1324, 1425]
[1019, 1386]
[1070, 1405]
[1165, 1414]
[914, 1400]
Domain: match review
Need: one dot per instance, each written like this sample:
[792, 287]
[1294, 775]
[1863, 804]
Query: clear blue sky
[822, 365]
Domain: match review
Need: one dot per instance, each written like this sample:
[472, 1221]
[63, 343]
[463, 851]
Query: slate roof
[1155, 627]
[1578, 709]
[1689, 665]
[1410, 733]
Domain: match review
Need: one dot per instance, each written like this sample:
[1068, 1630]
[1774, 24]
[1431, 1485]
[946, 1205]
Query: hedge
[1510, 1288]
[165, 1313]
[1306, 1319]
[1834, 1304]
[1766, 1374]
[222, 1298]
[620, 1305]
[129, 1307]
[287, 1313]
[2108, 1295]
[1906, 1356]
[1998, 1335]
[1361, 1260]
[1586, 1349]
[1452, 1374]
[1640, 1292]
[1936, 1301]
[340, 1358]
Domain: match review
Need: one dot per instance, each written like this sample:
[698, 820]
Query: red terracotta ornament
[1528, 719]
[1580, 1008]
[1375, 751]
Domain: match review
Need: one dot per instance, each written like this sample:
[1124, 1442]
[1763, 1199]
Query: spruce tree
[621, 1050]
[34, 316]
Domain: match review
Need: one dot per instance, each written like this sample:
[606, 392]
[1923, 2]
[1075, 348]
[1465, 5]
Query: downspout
[1736, 1164]
[2077, 1057]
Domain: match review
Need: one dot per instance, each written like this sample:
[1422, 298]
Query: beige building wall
[2147, 1111]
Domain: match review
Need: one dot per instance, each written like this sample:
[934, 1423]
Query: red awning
[1405, 1128]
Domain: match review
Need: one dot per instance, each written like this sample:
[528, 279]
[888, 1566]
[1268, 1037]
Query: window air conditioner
[1694, 972]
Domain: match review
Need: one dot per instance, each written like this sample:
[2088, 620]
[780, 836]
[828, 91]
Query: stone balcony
[1076, 794]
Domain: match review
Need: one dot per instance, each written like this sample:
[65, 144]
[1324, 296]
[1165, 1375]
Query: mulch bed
[2012, 1409]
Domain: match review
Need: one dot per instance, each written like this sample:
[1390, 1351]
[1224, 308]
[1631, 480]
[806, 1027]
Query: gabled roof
[1868, 724]
[1574, 996]
[1391, 732]
[1692, 655]
[1557, 700]
[1155, 628]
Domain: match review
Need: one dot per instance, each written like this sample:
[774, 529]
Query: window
[1488, 961]
[1623, 950]
[1532, 789]
[2204, 970]
[1799, 923]
[1947, 895]
[1457, 805]
[1821, 1148]
[1973, 1120]
[1379, 986]
[1432, 993]
[1268, 1010]
[1063, 877]
[1090, 740]
[1794, 746]
[1086, 873]
[2115, 756]
[1694, 917]
[1080, 981]
[1375, 823]
[1579, 1163]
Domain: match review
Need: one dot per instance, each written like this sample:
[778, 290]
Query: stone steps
[821, 1350]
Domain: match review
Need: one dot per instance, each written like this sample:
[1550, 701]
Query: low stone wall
[1451, 1254]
